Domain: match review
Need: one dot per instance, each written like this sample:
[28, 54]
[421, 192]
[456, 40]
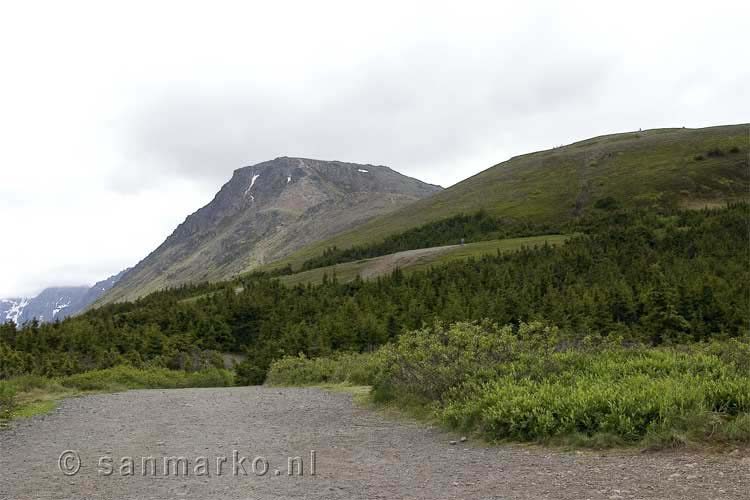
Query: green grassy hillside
[679, 168]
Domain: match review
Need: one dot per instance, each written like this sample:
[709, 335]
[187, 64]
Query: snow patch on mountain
[59, 307]
[54, 303]
[14, 309]
[252, 183]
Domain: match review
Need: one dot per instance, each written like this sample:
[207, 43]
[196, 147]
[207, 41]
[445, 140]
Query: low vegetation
[533, 382]
[27, 395]
[345, 368]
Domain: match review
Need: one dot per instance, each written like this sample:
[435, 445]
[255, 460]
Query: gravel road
[358, 454]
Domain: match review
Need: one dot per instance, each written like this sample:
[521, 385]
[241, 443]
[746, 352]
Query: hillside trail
[358, 454]
[385, 265]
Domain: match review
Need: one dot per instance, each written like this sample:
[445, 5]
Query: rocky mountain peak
[267, 211]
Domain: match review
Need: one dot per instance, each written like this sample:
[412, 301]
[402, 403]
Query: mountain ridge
[264, 212]
[54, 303]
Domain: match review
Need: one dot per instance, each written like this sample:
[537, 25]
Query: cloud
[119, 121]
[424, 107]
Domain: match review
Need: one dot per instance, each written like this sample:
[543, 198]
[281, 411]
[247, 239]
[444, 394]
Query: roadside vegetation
[533, 382]
[344, 368]
[28, 395]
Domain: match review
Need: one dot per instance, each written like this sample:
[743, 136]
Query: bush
[346, 368]
[126, 377]
[28, 383]
[249, 373]
[427, 363]
[608, 203]
[734, 149]
[299, 370]
[632, 407]
[715, 152]
[698, 158]
[7, 399]
[526, 384]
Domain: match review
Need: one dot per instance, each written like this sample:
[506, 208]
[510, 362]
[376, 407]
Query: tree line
[660, 278]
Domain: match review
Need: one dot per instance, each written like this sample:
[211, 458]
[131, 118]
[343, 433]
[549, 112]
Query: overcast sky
[118, 119]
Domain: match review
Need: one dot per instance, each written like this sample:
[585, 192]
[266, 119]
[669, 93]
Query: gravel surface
[358, 454]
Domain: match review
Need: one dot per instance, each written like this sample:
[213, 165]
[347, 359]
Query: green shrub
[345, 368]
[734, 149]
[300, 370]
[250, 373]
[28, 383]
[607, 203]
[715, 153]
[427, 363]
[126, 377]
[357, 369]
[7, 399]
[698, 158]
[528, 385]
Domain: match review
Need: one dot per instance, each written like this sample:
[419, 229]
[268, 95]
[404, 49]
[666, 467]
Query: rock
[452, 443]
[463, 439]
[267, 211]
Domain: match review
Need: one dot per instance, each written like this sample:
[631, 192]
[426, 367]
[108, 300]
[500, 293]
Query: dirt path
[359, 454]
[387, 264]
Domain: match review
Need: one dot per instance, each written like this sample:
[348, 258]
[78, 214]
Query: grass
[474, 250]
[378, 266]
[34, 408]
[647, 169]
[360, 393]
[35, 395]
[345, 272]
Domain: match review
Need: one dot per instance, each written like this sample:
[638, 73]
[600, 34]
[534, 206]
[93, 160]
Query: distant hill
[265, 212]
[680, 168]
[54, 303]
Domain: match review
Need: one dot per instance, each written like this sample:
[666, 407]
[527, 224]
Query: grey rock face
[265, 212]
